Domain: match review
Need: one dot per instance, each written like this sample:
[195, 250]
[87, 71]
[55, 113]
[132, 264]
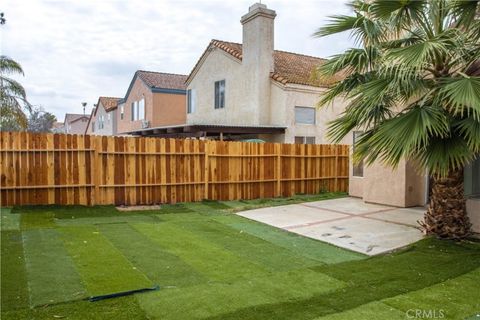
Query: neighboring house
[58, 127]
[250, 90]
[75, 123]
[153, 99]
[103, 119]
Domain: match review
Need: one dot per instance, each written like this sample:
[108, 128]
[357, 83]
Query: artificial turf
[213, 264]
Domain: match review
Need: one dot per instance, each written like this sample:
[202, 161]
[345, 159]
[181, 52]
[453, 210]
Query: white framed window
[122, 111]
[191, 99]
[109, 117]
[358, 167]
[220, 94]
[141, 109]
[304, 140]
[305, 115]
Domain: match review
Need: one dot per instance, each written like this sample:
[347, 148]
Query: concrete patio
[346, 222]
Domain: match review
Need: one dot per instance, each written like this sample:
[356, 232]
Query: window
[109, 117]
[305, 115]
[304, 140]
[93, 126]
[138, 110]
[357, 167]
[101, 121]
[472, 178]
[141, 109]
[220, 94]
[122, 111]
[190, 100]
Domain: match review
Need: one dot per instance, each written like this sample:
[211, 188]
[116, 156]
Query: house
[250, 90]
[57, 127]
[75, 123]
[153, 99]
[103, 119]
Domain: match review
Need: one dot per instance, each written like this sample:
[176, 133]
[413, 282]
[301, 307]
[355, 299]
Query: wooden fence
[89, 170]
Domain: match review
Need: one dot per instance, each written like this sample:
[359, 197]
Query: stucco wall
[76, 127]
[161, 109]
[169, 109]
[219, 65]
[109, 126]
[473, 210]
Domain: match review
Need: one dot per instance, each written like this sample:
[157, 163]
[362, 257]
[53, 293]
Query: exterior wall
[168, 109]
[473, 211]
[161, 109]
[216, 66]
[76, 127]
[303, 96]
[109, 127]
[400, 187]
[139, 90]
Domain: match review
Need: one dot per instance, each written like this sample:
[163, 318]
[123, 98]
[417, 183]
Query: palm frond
[9, 66]
[461, 95]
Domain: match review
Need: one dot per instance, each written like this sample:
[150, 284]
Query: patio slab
[346, 222]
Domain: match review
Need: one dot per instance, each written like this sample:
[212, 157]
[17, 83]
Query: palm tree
[413, 87]
[13, 101]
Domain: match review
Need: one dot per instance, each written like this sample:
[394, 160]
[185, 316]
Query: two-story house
[75, 123]
[153, 99]
[250, 90]
[103, 119]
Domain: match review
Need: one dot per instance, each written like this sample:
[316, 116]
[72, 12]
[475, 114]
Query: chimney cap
[258, 9]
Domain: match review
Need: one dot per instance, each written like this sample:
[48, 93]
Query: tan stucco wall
[161, 109]
[473, 210]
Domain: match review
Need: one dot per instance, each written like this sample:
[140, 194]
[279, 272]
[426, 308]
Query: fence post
[278, 171]
[95, 170]
[336, 167]
[206, 170]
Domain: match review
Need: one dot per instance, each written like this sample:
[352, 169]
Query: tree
[40, 121]
[413, 87]
[13, 99]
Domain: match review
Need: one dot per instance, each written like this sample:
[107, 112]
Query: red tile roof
[109, 103]
[163, 80]
[288, 67]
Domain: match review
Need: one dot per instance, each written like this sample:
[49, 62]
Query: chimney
[257, 59]
[258, 35]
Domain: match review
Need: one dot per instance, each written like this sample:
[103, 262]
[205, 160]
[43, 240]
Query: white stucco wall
[109, 125]
[219, 65]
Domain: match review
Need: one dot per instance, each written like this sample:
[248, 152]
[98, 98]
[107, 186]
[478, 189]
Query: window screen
[305, 115]
[358, 167]
[220, 94]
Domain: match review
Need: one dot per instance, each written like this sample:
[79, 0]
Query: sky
[75, 51]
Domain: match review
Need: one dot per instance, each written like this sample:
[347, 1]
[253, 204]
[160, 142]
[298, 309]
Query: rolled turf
[202, 301]
[104, 270]
[306, 247]
[52, 275]
[160, 266]
[248, 247]
[206, 257]
[13, 281]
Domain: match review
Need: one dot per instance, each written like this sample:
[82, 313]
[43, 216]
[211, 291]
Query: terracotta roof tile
[288, 67]
[109, 103]
[163, 80]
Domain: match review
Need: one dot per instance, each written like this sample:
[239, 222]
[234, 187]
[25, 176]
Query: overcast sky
[74, 51]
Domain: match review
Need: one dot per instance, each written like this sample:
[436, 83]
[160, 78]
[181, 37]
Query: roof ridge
[109, 97]
[158, 72]
[290, 52]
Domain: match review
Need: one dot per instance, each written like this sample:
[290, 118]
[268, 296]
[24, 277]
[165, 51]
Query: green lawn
[212, 264]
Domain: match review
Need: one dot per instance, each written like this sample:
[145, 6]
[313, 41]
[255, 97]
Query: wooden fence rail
[89, 170]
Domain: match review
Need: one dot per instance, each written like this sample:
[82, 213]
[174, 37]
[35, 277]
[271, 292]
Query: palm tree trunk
[446, 216]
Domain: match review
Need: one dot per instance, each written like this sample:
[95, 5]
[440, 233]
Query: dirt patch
[138, 208]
